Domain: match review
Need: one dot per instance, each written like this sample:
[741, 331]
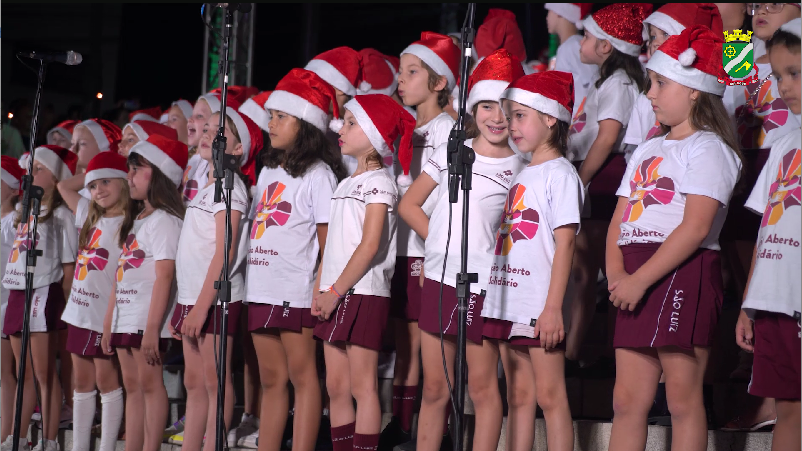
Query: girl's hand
[550, 328]
[150, 347]
[613, 279]
[193, 323]
[173, 333]
[628, 292]
[326, 303]
[744, 332]
[105, 342]
[315, 310]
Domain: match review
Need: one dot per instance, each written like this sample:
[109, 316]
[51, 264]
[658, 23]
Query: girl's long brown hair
[96, 212]
[311, 146]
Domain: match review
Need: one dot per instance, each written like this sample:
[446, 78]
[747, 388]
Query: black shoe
[393, 435]
[447, 444]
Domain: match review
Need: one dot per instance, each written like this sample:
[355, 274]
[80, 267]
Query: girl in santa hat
[290, 220]
[357, 267]
[139, 130]
[57, 237]
[613, 40]
[197, 316]
[663, 265]
[135, 325]
[177, 117]
[495, 167]
[100, 244]
[565, 20]
[61, 134]
[93, 136]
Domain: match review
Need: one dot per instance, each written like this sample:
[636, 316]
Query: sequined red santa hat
[168, 155]
[675, 17]
[60, 161]
[11, 172]
[184, 105]
[340, 67]
[64, 128]
[303, 94]
[691, 58]
[438, 52]
[106, 165]
[550, 92]
[234, 97]
[378, 72]
[147, 114]
[106, 133]
[254, 108]
[500, 31]
[490, 78]
[383, 120]
[572, 12]
[143, 129]
[250, 136]
[621, 24]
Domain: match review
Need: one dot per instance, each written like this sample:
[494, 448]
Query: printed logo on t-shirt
[648, 188]
[654, 131]
[579, 119]
[785, 191]
[518, 222]
[92, 257]
[190, 186]
[271, 210]
[505, 176]
[131, 257]
[415, 268]
[21, 242]
[761, 114]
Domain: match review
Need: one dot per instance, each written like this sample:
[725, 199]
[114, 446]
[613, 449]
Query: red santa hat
[234, 98]
[106, 133]
[60, 161]
[143, 129]
[340, 67]
[254, 108]
[378, 72]
[691, 58]
[383, 120]
[106, 165]
[550, 92]
[438, 52]
[303, 94]
[572, 12]
[675, 17]
[168, 155]
[250, 137]
[394, 61]
[793, 26]
[621, 24]
[148, 114]
[500, 31]
[64, 128]
[11, 172]
[490, 78]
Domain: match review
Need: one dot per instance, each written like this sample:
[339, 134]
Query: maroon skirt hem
[428, 321]
[84, 342]
[267, 318]
[212, 324]
[359, 319]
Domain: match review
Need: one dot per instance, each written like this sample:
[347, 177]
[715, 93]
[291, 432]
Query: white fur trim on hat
[568, 11]
[97, 131]
[24, 160]
[331, 75]
[53, 162]
[138, 130]
[143, 117]
[165, 117]
[684, 75]
[373, 134]
[428, 56]
[10, 180]
[622, 46]
[538, 102]
[485, 91]
[298, 107]
[793, 26]
[61, 130]
[662, 21]
[185, 107]
[242, 131]
[212, 101]
[336, 125]
[160, 159]
[257, 113]
[104, 173]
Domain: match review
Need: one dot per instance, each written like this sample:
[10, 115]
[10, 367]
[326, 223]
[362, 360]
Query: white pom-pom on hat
[687, 57]
[404, 180]
[336, 124]
[364, 87]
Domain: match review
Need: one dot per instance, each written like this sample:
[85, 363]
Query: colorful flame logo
[92, 257]
[518, 222]
[271, 210]
[648, 188]
[785, 191]
[21, 242]
[132, 256]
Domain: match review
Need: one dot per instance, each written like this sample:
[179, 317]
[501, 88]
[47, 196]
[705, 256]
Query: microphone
[241, 7]
[70, 57]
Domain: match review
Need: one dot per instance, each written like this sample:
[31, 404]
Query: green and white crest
[738, 59]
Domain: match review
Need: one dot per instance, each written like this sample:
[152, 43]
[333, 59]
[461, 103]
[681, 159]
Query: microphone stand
[31, 202]
[460, 166]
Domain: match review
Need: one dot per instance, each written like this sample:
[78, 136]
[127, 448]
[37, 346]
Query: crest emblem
[737, 58]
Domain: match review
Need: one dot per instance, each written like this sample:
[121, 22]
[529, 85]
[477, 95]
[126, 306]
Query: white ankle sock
[111, 417]
[83, 414]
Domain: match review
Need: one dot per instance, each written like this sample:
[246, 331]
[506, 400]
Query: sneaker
[176, 428]
[8, 444]
[247, 426]
[65, 419]
[250, 441]
[393, 435]
[47, 445]
[177, 439]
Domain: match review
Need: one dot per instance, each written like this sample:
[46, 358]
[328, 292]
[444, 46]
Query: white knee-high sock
[111, 417]
[83, 414]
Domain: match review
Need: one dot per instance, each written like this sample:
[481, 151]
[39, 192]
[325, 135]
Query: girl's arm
[600, 149]
[69, 190]
[744, 330]
[410, 208]
[105, 337]
[550, 326]
[359, 262]
[66, 281]
[700, 211]
[322, 232]
[614, 259]
[160, 298]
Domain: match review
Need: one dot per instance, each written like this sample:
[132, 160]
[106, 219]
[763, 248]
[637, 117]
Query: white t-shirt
[543, 198]
[643, 123]
[7, 233]
[492, 178]
[567, 60]
[613, 100]
[428, 137]
[195, 175]
[283, 249]
[660, 175]
[776, 285]
[95, 269]
[346, 222]
[196, 247]
[761, 117]
[152, 239]
[58, 240]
